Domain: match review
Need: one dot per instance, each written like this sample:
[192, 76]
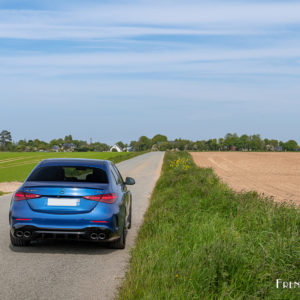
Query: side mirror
[129, 181]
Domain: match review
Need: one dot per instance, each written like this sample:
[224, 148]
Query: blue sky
[116, 70]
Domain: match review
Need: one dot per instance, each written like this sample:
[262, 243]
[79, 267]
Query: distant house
[55, 148]
[278, 148]
[116, 147]
[129, 149]
[69, 147]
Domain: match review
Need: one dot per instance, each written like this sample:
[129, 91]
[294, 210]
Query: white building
[116, 147]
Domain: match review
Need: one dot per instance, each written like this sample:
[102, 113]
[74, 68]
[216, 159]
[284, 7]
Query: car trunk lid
[63, 198]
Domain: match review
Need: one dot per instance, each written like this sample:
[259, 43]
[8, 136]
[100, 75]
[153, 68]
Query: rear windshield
[69, 174]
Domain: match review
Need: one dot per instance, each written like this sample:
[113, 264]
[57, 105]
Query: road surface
[74, 270]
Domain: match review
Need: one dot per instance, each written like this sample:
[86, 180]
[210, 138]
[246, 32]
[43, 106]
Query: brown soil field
[271, 174]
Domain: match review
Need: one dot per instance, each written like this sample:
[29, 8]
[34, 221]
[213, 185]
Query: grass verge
[201, 240]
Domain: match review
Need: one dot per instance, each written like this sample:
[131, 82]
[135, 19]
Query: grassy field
[15, 166]
[201, 240]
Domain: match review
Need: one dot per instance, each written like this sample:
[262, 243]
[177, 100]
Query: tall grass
[201, 240]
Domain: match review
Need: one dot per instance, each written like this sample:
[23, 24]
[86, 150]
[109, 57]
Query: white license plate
[63, 202]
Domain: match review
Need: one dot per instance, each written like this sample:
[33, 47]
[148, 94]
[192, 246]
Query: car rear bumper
[95, 234]
[39, 225]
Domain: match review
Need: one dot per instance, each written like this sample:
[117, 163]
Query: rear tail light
[106, 198]
[99, 221]
[25, 196]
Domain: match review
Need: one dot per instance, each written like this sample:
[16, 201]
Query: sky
[114, 70]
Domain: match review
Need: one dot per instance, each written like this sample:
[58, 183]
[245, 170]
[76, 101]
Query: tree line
[231, 142]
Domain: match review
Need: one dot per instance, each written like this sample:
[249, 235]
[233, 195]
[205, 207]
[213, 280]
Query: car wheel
[121, 242]
[17, 242]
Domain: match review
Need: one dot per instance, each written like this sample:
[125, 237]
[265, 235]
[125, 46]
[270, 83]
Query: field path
[74, 270]
[274, 174]
[8, 160]
[21, 164]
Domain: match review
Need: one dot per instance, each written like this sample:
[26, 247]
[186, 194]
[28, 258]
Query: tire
[17, 242]
[130, 218]
[119, 243]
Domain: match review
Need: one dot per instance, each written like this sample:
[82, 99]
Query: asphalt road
[74, 270]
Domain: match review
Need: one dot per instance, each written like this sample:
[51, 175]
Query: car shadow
[64, 247]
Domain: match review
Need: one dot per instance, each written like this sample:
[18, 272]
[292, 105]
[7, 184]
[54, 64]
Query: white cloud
[42, 32]
[109, 21]
[194, 62]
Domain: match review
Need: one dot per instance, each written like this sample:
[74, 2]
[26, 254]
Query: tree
[181, 144]
[212, 144]
[143, 144]
[100, 147]
[121, 144]
[133, 145]
[159, 138]
[290, 145]
[201, 145]
[231, 140]
[244, 142]
[58, 142]
[274, 143]
[221, 143]
[68, 138]
[256, 143]
[5, 139]
[164, 146]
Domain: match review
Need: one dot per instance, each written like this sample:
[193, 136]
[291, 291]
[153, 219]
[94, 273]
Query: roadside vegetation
[16, 166]
[201, 240]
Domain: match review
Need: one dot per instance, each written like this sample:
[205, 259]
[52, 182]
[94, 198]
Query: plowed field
[274, 174]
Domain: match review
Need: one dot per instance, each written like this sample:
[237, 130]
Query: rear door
[123, 188]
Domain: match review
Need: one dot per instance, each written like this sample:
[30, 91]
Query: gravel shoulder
[75, 270]
[9, 187]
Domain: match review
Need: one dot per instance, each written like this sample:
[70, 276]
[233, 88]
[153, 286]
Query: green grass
[201, 240]
[15, 166]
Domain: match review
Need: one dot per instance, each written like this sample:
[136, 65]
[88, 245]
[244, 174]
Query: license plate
[63, 202]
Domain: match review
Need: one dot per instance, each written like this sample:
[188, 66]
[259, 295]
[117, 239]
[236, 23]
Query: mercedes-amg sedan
[81, 199]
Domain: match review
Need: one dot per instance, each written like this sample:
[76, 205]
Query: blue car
[81, 199]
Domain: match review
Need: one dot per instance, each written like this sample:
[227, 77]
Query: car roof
[74, 161]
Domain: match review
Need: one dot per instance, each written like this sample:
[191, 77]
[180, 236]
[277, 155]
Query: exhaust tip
[27, 234]
[19, 234]
[93, 236]
[102, 236]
